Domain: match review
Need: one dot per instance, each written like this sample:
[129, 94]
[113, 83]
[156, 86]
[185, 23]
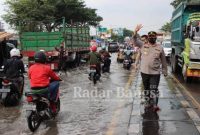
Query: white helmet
[15, 52]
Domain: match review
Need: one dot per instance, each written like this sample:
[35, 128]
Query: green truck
[185, 40]
[74, 38]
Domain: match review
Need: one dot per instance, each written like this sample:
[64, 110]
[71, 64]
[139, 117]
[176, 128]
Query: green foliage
[166, 27]
[126, 33]
[175, 3]
[46, 15]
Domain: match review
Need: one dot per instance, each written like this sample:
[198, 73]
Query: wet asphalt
[174, 118]
[107, 108]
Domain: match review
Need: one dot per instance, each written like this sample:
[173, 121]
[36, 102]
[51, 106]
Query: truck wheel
[184, 73]
[174, 64]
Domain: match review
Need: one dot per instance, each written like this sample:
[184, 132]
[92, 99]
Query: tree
[166, 27]
[46, 15]
[175, 3]
[126, 33]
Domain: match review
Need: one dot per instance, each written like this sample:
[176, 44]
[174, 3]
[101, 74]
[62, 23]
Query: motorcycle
[11, 92]
[42, 108]
[106, 65]
[127, 60]
[127, 63]
[93, 75]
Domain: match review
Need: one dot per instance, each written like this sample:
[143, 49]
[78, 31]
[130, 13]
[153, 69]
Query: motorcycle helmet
[40, 57]
[93, 48]
[15, 52]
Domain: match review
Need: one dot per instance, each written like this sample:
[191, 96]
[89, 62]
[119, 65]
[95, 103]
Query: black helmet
[40, 57]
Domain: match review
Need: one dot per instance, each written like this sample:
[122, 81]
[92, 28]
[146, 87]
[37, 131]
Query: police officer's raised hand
[138, 28]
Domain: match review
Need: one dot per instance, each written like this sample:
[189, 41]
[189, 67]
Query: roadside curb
[185, 104]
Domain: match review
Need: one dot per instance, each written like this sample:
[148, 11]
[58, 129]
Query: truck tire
[184, 73]
[174, 64]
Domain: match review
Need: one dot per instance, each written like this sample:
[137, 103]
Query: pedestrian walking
[152, 61]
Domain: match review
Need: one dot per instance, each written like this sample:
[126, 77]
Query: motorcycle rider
[14, 68]
[128, 53]
[105, 56]
[41, 75]
[61, 64]
[95, 58]
[104, 52]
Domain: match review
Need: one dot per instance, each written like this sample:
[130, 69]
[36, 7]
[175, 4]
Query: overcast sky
[127, 13]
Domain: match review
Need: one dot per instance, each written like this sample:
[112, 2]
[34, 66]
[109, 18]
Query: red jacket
[40, 75]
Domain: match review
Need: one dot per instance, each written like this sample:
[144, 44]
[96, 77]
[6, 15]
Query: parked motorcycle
[106, 65]
[11, 92]
[42, 108]
[93, 75]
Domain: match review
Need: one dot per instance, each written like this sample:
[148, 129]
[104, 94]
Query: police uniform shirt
[151, 59]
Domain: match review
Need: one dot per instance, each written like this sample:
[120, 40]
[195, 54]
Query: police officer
[151, 56]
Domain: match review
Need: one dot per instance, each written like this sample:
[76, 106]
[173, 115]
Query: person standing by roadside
[144, 39]
[151, 57]
[61, 64]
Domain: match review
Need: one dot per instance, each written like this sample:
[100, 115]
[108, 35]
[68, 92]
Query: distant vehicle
[120, 56]
[113, 47]
[74, 39]
[167, 48]
[128, 59]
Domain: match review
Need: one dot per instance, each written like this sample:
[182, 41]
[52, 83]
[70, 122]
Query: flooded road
[193, 87]
[86, 109]
[114, 106]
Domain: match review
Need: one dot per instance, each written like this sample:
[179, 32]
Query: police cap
[152, 33]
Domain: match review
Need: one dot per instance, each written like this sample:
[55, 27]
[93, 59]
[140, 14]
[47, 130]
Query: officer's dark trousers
[151, 83]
